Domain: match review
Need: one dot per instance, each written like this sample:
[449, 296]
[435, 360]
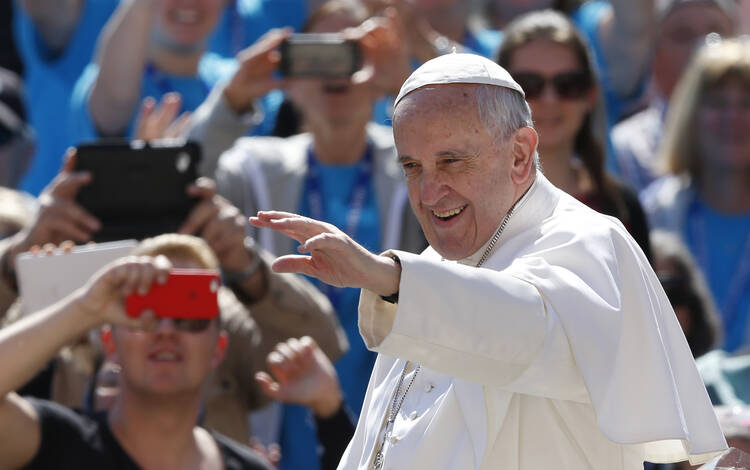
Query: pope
[532, 333]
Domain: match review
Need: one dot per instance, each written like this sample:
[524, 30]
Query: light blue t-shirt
[244, 21]
[212, 69]
[721, 246]
[49, 81]
[298, 440]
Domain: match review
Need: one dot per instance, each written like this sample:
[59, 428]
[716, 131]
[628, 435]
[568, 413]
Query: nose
[165, 326]
[432, 188]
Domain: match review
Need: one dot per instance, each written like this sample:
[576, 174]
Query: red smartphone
[188, 293]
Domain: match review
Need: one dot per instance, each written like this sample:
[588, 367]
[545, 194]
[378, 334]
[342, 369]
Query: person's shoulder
[268, 151]
[633, 126]
[665, 193]
[237, 456]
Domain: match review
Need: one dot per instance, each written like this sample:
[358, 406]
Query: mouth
[185, 16]
[449, 214]
[335, 88]
[164, 356]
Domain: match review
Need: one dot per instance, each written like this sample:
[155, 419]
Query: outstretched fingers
[292, 225]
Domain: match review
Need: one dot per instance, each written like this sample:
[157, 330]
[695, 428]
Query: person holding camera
[165, 366]
[259, 308]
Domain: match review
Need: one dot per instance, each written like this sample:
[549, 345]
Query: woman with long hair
[705, 198]
[549, 59]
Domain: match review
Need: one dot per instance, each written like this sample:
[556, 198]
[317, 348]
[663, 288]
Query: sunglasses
[568, 85]
[187, 325]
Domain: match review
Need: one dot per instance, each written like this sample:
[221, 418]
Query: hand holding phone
[187, 294]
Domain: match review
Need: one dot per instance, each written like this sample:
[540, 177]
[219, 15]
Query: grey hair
[503, 111]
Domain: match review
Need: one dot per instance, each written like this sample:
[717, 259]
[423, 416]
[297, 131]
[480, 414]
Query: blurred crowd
[642, 109]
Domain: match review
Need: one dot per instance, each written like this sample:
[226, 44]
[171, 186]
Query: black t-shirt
[72, 440]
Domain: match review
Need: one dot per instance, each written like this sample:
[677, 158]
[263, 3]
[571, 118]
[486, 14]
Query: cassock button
[413, 415]
[393, 440]
[428, 387]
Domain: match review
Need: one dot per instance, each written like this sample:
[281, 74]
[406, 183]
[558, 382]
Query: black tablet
[138, 189]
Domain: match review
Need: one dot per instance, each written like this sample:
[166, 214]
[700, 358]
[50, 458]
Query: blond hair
[178, 246]
[714, 63]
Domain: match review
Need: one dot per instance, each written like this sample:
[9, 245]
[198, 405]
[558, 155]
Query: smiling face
[557, 119]
[185, 25]
[167, 360]
[461, 182]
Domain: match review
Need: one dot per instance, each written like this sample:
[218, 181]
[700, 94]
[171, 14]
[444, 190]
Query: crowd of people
[642, 110]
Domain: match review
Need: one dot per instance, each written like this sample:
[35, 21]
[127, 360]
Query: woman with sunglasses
[549, 59]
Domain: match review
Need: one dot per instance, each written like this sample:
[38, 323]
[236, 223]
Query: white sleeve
[476, 324]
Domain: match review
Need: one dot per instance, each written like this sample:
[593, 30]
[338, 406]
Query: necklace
[393, 410]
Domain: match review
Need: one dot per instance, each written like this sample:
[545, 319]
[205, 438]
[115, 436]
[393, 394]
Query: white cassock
[561, 352]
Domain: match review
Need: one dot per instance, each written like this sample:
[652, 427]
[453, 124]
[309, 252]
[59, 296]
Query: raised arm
[28, 344]
[626, 35]
[121, 56]
[55, 20]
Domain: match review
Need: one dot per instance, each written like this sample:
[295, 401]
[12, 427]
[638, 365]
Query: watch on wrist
[393, 298]
[234, 277]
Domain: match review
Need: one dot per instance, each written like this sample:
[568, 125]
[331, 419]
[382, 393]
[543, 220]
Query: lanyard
[357, 199]
[741, 276]
[162, 81]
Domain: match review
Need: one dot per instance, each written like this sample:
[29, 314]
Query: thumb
[269, 387]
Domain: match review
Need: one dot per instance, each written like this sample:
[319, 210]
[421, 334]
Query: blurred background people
[683, 26]
[705, 198]
[153, 422]
[687, 291]
[343, 169]
[547, 56]
[16, 136]
[56, 40]
[152, 48]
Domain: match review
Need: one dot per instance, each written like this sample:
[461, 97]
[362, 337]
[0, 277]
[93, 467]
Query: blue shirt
[298, 439]
[721, 245]
[212, 69]
[49, 79]
[244, 21]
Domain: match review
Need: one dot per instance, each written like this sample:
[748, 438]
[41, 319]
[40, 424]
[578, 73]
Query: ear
[592, 97]
[524, 144]
[221, 349]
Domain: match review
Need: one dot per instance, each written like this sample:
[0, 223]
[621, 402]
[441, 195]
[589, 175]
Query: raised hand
[161, 121]
[302, 374]
[220, 224]
[334, 257]
[103, 297]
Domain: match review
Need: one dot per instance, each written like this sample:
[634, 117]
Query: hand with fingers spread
[161, 121]
[302, 374]
[334, 257]
[254, 76]
[59, 217]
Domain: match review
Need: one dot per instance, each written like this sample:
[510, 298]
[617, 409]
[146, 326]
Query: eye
[410, 168]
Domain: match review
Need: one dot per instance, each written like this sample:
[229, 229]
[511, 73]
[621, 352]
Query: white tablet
[44, 279]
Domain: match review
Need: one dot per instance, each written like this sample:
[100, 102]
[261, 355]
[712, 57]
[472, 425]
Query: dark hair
[555, 27]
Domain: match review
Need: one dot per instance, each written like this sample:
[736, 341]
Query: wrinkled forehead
[456, 99]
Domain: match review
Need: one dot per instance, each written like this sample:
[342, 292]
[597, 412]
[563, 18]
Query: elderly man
[532, 333]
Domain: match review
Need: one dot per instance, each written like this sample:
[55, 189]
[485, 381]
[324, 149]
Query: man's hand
[303, 375]
[59, 217]
[161, 121]
[334, 258]
[220, 224]
[103, 297]
[386, 60]
[254, 76]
